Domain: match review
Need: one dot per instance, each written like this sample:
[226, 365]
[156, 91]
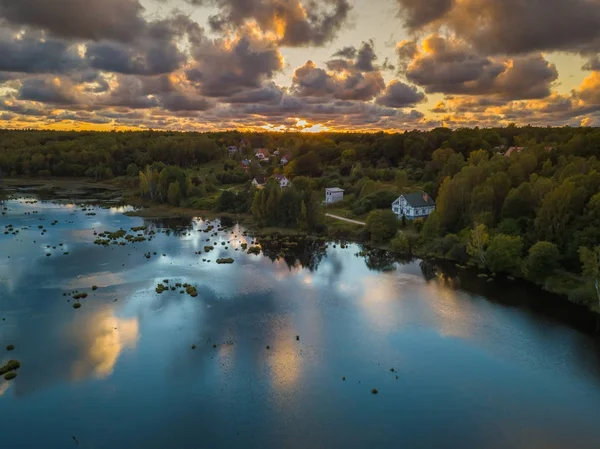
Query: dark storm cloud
[119, 20]
[221, 69]
[451, 67]
[31, 52]
[417, 13]
[153, 52]
[270, 94]
[309, 80]
[400, 95]
[346, 52]
[298, 23]
[48, 90]
[350, 58]
[511, 26]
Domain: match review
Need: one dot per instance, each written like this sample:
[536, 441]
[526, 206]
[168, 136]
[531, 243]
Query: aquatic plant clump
[10, 375]
[225, 261]
[11, 365]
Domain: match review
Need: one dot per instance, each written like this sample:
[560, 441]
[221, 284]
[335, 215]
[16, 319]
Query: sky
[298, 65]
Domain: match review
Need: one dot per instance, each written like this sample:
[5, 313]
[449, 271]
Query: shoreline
[148, 210]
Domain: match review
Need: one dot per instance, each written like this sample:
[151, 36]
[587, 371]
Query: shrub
[542, 260]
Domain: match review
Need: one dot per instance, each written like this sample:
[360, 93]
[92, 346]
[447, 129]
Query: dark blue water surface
[475, 364]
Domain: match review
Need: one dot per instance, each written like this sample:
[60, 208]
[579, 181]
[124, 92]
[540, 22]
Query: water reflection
[474, 359]
[100, 338]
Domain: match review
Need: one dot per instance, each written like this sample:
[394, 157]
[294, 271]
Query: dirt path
[337, 217]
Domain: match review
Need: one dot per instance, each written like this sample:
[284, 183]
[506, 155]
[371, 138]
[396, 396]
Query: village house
[282, 180]
[245, 164]
[232, 150]
[285, 159]
[334, 195]
[259, 181]
[414, 205]
[262, 154]
[512, 150]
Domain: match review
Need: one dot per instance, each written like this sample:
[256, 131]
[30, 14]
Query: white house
[333, 195]
[414, 205]
[259, 182]
[282, 180]
[262, 154]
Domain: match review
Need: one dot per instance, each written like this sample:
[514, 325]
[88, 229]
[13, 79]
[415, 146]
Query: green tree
[542, 260]
[402, 244]
[401, 179]
[590, 261]
[382, 225]
[303, 217]
[478, 242]
[504, 253]
[432, 228]
[174, 194]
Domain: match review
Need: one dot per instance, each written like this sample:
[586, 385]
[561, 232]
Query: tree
[504, 253]
[478, 241]
[432, 227]
[401, 179]
[149, 182]
[590, 261]
[174, 194]
[302, 218]
[382, 225]
[543, 258]
[226, 201]
[557, 210]
[402, 244]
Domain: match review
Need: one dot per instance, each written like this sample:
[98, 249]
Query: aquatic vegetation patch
[228, 260]
[11, 365]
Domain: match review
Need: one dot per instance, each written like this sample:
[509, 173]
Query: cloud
[450, 66]
[400, 95]
[226, 67]
[418, 13]
[510, 26]
[309, 80]
[293, 22]
[58, 91]
[153, 52]
[32, 52]
[119, 20]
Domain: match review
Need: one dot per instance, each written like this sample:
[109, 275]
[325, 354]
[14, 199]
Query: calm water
[476, 364]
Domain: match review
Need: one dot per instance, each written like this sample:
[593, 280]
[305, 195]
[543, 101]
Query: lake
[277, 350]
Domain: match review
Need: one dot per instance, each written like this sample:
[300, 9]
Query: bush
[542, 260]
[10, 375]
[402, 244]
[382, 225]
[504, 253]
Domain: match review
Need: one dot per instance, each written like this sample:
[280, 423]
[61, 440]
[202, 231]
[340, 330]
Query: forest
[522, 201]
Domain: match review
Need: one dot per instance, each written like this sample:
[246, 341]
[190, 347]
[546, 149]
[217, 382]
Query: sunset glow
[335, 65]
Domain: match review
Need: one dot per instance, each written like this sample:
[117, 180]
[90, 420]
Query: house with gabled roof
[414, 205]
[259, 181]
[282, 180]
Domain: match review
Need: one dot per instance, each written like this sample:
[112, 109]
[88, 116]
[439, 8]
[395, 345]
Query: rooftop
[419, 199]
[334, 189]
